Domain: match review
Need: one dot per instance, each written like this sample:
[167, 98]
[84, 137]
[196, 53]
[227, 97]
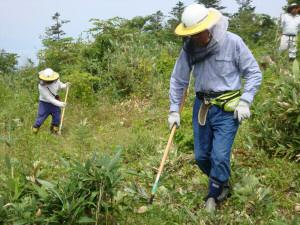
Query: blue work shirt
[218, 73]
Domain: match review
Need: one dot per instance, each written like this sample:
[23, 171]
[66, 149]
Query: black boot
[215, 188]
[226, 192]
[292, 59]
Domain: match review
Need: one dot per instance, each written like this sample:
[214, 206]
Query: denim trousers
[213, 141]
[46, 109]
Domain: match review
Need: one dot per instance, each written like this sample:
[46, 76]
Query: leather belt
[201, 95]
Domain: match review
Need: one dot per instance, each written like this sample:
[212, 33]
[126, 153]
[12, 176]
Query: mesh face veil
[217, 35]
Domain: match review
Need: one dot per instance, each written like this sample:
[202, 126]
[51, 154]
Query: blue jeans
[46, 109]
[213, 141]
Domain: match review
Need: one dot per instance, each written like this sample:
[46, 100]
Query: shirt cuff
[247, 97]
[174, 108]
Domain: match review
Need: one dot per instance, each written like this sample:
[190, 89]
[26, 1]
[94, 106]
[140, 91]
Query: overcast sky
[23, 21]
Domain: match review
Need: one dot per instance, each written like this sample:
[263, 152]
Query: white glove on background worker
[242, 111]
[63, 104]
[174, 118]
[68, 84]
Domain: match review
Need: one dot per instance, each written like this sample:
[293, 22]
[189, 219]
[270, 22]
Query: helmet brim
[212, 18]
[44, 78]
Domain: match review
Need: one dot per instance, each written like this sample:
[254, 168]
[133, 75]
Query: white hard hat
[48, 73]
[196, 18]
[194, 15]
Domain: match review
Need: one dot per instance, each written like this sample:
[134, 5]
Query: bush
[85, 195]
[277, 117]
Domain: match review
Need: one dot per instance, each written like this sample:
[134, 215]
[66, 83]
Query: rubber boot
[292, 59]
[54, 129]
[226, 192]
[35, 130]
[215, 189]
[210, 205]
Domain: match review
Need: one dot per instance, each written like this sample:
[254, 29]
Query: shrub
[85, 194]
[277, 117]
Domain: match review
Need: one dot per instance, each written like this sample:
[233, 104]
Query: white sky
[23, 21]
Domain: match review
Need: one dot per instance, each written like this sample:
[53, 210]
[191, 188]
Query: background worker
[290, 27]
[218, 59]
[49, 103]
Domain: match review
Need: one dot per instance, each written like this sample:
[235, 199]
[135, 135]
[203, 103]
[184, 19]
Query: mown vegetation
[102, 168]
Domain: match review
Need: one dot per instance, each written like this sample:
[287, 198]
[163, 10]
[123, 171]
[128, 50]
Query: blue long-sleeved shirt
[220, 72]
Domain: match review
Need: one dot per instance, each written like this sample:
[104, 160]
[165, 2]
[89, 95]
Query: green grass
[141, 127]
[266, 188]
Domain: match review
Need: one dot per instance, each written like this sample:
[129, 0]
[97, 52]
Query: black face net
[217, 34]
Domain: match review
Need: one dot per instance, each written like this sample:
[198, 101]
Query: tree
[176, 14]
[8, 62]
[56, 47]
[156, 22]
[54, 32]
[211, 4]
[253, 28]
[138, 22]
[245, 5]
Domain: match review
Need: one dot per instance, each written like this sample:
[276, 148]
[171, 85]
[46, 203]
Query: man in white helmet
[217, 59]
[291, 24]
[49, 100]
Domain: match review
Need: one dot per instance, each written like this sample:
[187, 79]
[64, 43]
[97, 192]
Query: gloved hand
[174, 118]
[63, 104]
[242, 111]
[68, 84]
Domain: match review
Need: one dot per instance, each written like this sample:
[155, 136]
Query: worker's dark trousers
[213, 141]
[46, 109]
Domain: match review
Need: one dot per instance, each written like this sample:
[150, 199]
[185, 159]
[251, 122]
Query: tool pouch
[228, 101]
[205, 106]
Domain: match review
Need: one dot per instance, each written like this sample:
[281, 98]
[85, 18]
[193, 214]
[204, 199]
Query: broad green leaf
[41, 192]
[117, 181]
[51, 186]
[295, 221]
[110, 176]
[247, 184]
[7, 162]
[298, 120]
[132, 172]
[21, 222]
[46, 183]
[94, 155]
[118, 149]
[114, 161]
[84, 219]
[17, 192]
[192, 215]
[11, 183]
[105, 207]
[80, 168]
[64, 162]
[130, 190]
[296, 68]
[266, 192]
[106, 162]
[88, 165]
[294, 96]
